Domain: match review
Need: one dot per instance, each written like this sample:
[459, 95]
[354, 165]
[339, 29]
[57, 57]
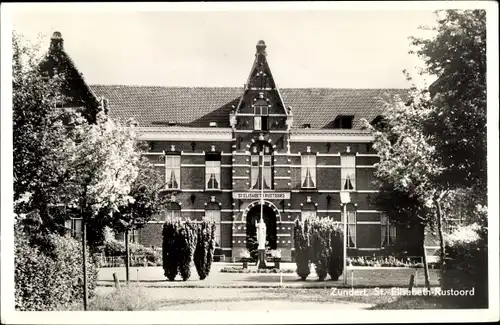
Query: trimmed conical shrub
[205, 247]
[336, 265]
[185, 246]
[170, 256]
[302, 248]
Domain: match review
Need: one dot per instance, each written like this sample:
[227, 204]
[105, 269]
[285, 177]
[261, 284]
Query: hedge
[319, 241]
[185, 241]
[50, 279]
[466, 265]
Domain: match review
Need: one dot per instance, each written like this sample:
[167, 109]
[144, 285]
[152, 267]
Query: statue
[261, 234]
[261, 239]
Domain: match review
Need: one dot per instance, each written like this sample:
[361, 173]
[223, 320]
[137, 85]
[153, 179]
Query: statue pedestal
[262, 259]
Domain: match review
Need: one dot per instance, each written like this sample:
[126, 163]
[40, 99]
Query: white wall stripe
[183, 153]
[368, 222]
[241, 177]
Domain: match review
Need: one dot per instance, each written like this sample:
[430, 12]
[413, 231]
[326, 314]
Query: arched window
[261, 170]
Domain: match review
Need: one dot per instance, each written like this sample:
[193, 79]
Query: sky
[316, 48]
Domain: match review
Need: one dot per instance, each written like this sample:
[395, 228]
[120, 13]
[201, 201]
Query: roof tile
[198, 106]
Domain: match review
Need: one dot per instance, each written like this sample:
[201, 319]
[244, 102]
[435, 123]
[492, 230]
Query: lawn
[359, 278]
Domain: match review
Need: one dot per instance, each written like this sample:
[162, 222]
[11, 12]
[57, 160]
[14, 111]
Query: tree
[433, 148]
[456, 125]
[105, 164]
[146, 202]
[407, 166]
[43, 133]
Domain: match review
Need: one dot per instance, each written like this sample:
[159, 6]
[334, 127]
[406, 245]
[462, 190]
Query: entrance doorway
[253, 216]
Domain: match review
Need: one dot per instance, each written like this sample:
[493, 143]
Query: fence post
[412, 281]
[117, 282]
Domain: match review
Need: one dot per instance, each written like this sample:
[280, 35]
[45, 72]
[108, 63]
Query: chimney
[56, 42]
[261, 47]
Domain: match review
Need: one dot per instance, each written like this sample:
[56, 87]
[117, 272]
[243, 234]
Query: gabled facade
[225, 150]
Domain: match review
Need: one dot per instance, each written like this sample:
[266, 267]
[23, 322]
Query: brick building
[221, 148]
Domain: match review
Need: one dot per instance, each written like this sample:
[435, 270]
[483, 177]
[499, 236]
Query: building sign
[258, 195]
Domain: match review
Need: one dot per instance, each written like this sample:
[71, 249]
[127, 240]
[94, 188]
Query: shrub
[336, 264]
[170, 261]
[50, 277]
[113, 247]
[466, 265]
[205, 247]
[320, 243]
[253, 247]
[185, 245]
[302, 248]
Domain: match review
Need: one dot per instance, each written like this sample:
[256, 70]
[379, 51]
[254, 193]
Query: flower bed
[233, 269]
[379, 261]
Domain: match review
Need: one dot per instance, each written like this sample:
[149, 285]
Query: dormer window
[379, 122]
[213, 124]
[172, 123]
[343, 122]
[306, 126]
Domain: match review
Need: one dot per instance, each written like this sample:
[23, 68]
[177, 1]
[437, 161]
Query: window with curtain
[261, 166]
[214, 215]
[308, 171]
[212, 174]
[75, 227]
[348, 173]
[307, 215]
[388, 232]
[351, 228]
[173, 171]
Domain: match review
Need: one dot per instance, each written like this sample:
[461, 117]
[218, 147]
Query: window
[261, 112]
[214, 215]
[305, 215]
[173, 171]
[75, 226]
[388, 232]
[173, 211]
[343, 122]
[308, 176]
[261, 167]
[348, 173]
[351, 228]
[212, 173]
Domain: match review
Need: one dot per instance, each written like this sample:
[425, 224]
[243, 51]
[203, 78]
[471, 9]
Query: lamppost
[261, 226]
[345, 198]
